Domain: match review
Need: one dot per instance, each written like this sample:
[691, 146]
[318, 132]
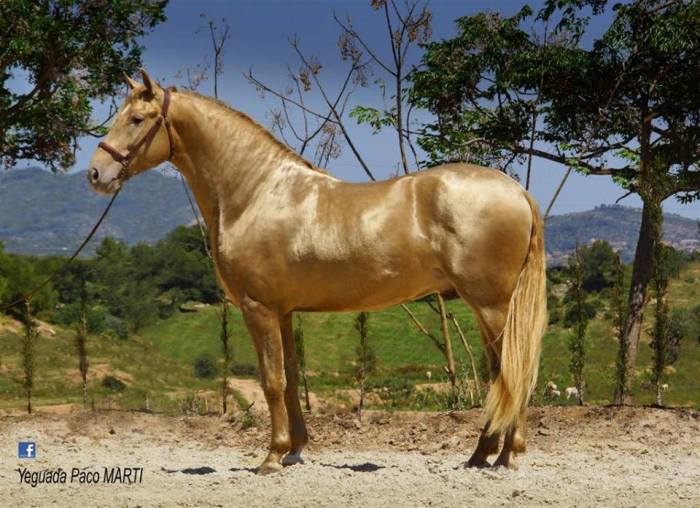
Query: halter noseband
[125, 160]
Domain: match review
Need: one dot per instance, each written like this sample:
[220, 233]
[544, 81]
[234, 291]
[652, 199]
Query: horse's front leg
[264, 326]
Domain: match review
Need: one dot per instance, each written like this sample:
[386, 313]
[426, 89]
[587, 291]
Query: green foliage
[617, 303]
[598, 266]
[128, 287]
[579, 312]
[226, 350]
[17, 275]
[67, 314]
[395, 391]
[159, 358]
[113, 383]
[300, 349]
[244, 370]
[366, 357]
[575, 309]
[587, 96]
[31, 334]
[661, 331]
[69, 52]
[81, 337]
[375, 118]
[205, 367]
[299, 346]
[366, 363]
[116, 327]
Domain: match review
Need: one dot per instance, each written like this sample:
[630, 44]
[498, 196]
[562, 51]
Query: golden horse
[288, 237]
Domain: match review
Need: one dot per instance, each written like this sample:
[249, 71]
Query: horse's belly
[358, 288]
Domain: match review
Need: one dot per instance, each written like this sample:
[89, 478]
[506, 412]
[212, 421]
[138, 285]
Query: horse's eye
[136, 120]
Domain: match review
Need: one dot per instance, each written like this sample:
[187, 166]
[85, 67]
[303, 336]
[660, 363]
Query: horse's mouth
[106, 188]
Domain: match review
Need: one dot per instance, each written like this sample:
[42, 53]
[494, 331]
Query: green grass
[158, 362]
[330, 338]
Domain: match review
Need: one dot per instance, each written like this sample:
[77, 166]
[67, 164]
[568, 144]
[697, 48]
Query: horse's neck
[223, 159]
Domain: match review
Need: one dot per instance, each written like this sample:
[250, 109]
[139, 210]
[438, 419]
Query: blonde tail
[521, 336]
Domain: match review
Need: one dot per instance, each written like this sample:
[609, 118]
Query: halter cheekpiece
[125, 159]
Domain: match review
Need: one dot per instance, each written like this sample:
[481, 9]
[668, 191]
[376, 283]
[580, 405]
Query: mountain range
[45, 213]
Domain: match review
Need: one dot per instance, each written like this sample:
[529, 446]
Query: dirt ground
[577, 457]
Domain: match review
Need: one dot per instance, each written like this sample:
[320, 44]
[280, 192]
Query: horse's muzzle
[101, 183]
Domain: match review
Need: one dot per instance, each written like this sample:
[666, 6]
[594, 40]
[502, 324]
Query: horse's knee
[281, 443]
[274, 387]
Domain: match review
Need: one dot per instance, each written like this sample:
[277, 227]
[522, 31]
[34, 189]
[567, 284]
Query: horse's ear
[150, 85]
[131, 82]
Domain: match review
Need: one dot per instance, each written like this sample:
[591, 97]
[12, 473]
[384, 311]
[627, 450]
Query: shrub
[570, 316]
[396, 391]
[117, 327]
[69, 314]
[244, 369]
[205, 367]
[113, 383]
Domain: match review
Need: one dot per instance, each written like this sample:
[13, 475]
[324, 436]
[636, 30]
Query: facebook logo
[26, 450]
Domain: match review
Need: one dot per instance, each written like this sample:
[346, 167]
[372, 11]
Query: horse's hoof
[505, 463]
[269, 468]
[292, 458]
[477, 463]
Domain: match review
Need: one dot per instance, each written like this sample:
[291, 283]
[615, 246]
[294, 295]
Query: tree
[577, 342]
[31, 334]
[405, 29]
[81, 331]
[619, 309]
[300, 346]
[366, 358]
[625, 106]
[226, 353]
[69, 52]
[598, 266]
[660, 332]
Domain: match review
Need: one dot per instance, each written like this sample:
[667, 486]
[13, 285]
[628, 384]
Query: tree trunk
[641, 275]
[451, 371]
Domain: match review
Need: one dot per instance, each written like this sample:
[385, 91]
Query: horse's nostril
[94, 174]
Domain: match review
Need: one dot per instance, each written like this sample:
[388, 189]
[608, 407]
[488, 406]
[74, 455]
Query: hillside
[157, 364]
[619, 225]
[43, 213]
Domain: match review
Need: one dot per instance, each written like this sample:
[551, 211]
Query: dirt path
[578, 456]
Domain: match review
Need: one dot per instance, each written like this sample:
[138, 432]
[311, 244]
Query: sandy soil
[577, 456]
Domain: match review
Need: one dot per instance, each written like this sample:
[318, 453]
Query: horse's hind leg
[513, 443]
[493, 320]
[489, 326]
[297, 428]
[264, 326]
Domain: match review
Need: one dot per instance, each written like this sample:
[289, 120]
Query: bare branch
[439, 345]
[333, 110]
[252, 79]
[350, 30]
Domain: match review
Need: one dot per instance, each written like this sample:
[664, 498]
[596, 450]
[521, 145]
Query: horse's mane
[255, 125]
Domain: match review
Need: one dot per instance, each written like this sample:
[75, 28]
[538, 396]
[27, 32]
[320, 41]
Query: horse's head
[139, 138]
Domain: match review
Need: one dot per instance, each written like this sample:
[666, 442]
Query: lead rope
[28, 296]
[125, 161]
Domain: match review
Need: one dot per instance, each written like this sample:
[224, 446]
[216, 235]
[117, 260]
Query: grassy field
[157, 363]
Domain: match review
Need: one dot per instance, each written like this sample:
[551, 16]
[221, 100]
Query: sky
[259, 41]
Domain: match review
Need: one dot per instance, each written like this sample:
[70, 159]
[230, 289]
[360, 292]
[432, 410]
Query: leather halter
[125, 159]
